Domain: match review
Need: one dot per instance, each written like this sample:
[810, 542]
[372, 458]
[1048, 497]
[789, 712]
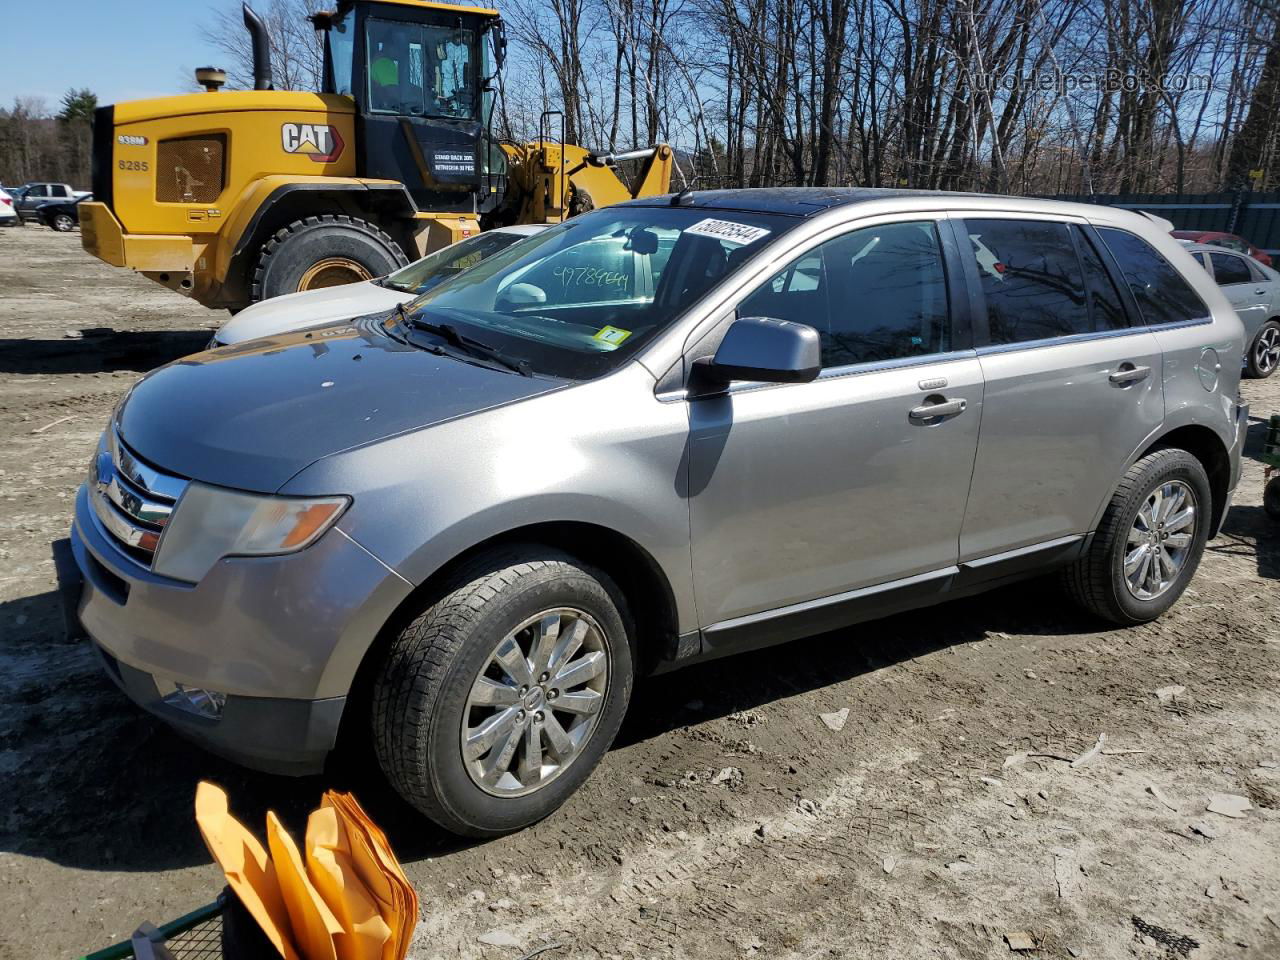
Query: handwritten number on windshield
[590, 277]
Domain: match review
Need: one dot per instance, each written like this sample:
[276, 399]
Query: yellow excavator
[230, 197]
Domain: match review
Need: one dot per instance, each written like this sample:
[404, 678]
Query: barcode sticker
[728, 231]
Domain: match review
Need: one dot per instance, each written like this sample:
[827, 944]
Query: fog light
[197, 700]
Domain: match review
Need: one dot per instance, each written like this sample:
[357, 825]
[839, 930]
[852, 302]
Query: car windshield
[433, 269]
[576, 300]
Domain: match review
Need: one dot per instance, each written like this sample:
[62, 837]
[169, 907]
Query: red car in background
[1228, 240]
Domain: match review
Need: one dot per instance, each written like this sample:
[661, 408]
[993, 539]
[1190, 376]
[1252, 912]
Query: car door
[807, 500]
[32, 197]
[1071, 387]
[1249, 294]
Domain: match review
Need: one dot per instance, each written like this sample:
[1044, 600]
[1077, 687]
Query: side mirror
[761, 349]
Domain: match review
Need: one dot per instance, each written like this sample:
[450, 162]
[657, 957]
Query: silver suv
[663, 432]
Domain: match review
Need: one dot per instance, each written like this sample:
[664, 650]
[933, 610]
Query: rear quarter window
[1163, 295]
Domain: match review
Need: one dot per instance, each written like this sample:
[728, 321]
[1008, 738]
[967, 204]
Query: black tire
[1271, 498]
[63, 223]
[1097, 582]
[1261, 361]
[420, 693]
[294, 250]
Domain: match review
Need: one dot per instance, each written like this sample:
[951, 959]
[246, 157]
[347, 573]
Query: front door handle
[1128, 373]
[943, 408]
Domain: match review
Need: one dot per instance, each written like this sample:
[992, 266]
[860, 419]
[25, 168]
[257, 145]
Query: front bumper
[291, 737]
[282, 637]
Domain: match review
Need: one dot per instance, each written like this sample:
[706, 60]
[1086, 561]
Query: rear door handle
[944, 408]
[1128, 373]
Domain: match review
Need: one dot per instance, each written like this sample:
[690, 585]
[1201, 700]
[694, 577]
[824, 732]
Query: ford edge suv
[660, 433]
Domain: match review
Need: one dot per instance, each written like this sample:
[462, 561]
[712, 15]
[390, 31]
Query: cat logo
[320, 141]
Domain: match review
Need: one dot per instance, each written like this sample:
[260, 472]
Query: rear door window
[1106, 310]
[1163, 295]
[1031, 279]
[1228, 269]
[57, 190]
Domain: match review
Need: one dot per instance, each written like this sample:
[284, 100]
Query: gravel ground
[730, 820]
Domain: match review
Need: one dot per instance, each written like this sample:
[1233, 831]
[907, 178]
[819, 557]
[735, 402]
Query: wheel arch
[1205, 445]
[274, 202]
[649, 594]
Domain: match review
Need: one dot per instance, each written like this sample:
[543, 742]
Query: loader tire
[323, 251]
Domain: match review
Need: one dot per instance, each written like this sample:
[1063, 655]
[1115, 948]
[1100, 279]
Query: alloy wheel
[536, 702]
[1266, 350]
[63, 223]
[1160, 540]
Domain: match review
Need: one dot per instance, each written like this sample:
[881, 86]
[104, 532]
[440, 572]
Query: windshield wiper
[456, 338]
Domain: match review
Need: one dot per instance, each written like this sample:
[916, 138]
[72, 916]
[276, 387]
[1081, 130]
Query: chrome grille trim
[129, 534]
[135, 505]
[148, 480]
[133, 501]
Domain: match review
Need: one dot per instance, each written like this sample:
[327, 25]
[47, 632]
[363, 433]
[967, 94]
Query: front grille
[190, 169]
[133, 500]
[104, 138]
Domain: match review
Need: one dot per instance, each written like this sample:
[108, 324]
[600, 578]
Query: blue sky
[119, 49]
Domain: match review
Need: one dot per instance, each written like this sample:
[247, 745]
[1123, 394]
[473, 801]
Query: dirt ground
[729, 820]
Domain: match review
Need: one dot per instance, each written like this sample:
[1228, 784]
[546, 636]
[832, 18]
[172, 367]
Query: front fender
[606, 453]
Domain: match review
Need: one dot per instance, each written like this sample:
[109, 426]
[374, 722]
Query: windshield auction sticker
[728, 231]
[611, 337]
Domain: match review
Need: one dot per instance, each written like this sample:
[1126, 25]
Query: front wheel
[1264, 351]
[323, 251]
[494, 705]
[1148, 545]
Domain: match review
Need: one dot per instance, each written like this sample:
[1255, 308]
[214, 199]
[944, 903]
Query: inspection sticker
[728, 231]
[612, 336]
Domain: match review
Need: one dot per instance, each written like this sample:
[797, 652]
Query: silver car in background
[663, 432]
[1254, 291]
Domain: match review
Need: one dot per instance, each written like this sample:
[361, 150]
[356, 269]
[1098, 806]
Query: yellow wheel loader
[231, 197]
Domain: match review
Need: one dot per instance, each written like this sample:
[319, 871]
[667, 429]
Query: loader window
[340, 47]
[420, 70]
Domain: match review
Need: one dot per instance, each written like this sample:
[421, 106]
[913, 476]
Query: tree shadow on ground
[101, 350]
[96, 783]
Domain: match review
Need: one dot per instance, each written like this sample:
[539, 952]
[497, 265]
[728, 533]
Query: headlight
[210, 523]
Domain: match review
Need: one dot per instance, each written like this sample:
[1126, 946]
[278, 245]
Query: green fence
[1254, 216]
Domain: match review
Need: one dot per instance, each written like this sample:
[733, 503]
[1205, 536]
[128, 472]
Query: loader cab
[423, 77]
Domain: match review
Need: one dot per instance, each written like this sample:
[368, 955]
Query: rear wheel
[63, 223]
[1148, 545]
[1264, 352]
[323, 251]
[494, 705]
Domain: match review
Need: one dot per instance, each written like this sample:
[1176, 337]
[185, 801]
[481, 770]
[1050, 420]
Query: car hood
[252, 415]
[310, 308]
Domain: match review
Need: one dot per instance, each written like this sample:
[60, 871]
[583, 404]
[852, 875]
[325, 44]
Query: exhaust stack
[261, 49]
